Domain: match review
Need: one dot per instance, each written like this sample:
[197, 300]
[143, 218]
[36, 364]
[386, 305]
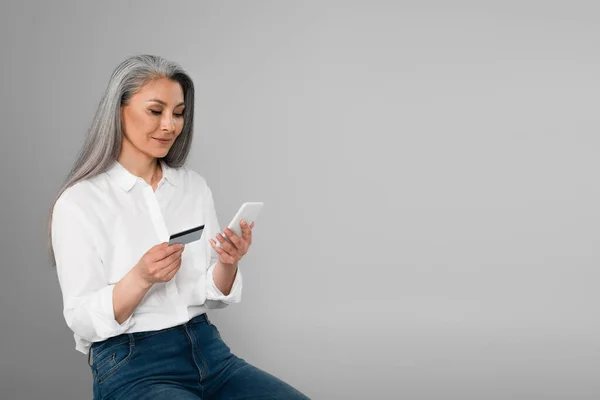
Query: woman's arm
[224, 281]
[87, 295]
[224, 276]
[127, 294]
[94, 309]
[159, 264]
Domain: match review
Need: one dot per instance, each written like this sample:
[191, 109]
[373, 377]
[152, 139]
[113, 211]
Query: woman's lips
[162, 141]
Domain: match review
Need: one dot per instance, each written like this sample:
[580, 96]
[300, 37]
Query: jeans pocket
[110, 360]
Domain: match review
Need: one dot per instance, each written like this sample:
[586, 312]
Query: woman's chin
[158, 153]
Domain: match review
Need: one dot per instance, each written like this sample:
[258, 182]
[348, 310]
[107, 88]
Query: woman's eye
[177, 115]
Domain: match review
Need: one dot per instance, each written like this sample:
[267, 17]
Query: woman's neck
[147, 168]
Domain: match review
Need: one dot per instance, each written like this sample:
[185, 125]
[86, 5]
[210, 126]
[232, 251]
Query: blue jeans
[188, 361]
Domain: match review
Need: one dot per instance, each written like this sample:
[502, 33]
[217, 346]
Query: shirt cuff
[214, 293]
[107, 324]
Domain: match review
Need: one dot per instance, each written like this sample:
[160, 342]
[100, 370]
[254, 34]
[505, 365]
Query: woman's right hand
[159, 264]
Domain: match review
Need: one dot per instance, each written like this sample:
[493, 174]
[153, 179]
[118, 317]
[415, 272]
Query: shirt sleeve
[87, 296]
[211, 230]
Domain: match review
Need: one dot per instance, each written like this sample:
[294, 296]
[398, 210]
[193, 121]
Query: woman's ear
[121, 113]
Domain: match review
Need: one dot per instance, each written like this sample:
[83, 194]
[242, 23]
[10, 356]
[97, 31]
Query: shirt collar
[126, 180]
[169, 173]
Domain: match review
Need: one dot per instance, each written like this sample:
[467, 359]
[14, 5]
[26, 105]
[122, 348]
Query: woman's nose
[168, 123]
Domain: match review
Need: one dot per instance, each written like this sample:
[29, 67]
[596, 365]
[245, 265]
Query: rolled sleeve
[213, 292]
[87, 295]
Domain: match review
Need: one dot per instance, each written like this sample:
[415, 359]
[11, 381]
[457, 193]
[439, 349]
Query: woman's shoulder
[76, 193]
[71, 203]
[83, 192]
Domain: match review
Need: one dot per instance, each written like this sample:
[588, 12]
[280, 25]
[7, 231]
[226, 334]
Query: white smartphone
[249, 212]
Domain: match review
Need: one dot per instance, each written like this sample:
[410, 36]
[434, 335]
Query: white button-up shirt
[102, 226]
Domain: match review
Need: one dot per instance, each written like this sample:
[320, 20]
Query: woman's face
[153, 118]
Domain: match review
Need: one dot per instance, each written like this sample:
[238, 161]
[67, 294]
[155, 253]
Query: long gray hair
[102, 144]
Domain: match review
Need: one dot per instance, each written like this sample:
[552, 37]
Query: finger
[225, 245]
[158, 247]
[237, 241]
[166, 251]
[172, 271]
[224, 256]
[246, 231]
[213, 243]
[176, 264]
[173, 248]
[165, 262]
[240, 244]
[169, 269]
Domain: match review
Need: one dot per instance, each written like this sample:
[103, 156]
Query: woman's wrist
[228, 266]
[139, 279]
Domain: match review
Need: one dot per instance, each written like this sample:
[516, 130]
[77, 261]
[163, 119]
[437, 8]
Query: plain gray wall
[429, 171]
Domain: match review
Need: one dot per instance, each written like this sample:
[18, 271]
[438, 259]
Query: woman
[136, 305]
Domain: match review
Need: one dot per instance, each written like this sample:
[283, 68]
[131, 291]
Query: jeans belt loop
[90, 356]
[131, 339]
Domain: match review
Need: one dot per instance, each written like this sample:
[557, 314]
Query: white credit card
[187, 236]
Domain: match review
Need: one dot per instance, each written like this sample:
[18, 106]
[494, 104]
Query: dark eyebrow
[165, 104]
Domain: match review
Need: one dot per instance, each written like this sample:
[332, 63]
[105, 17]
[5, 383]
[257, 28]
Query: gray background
[429, 171]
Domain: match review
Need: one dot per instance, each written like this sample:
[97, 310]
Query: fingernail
[243, 222]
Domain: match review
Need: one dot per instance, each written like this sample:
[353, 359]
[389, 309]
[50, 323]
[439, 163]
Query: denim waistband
[99, 347]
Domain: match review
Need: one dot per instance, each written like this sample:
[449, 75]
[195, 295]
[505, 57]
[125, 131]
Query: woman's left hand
[232, 252]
